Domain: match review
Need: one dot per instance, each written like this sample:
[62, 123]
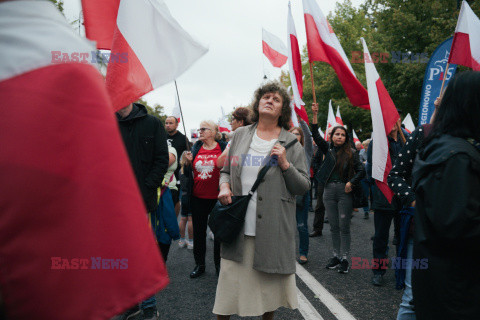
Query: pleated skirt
[243, 291]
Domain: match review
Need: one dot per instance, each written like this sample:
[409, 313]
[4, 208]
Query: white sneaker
[182, 243]
[189, 244]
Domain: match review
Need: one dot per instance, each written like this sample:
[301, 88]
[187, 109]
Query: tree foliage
[403, 29]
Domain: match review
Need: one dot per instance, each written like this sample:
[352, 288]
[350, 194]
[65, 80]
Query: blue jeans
[302, 225]
[149, 303]
[406, 311]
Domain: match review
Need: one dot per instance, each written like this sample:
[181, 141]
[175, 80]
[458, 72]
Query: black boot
[198, 271]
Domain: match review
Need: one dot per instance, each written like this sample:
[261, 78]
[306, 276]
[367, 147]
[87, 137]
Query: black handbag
[226, 221]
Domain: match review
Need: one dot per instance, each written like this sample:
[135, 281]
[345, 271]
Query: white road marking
[306, 309]
[325, 297]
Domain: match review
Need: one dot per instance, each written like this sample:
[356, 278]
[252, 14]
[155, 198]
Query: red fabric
[206, 175]
[319, 51]
[223, 129]
[390, 118]
[100, 18]
[68, 191]
[339, 120]
[302, 113]
[297, 63]
[128, 80]
[461, 53]
[276, 58]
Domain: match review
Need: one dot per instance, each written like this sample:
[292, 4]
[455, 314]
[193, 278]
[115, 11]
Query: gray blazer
[276, 221]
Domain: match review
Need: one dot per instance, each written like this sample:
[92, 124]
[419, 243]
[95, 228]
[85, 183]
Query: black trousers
[164, 249]
[201, 209]
[319, 210]
[382, 221]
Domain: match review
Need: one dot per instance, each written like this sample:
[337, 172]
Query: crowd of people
[432, 165]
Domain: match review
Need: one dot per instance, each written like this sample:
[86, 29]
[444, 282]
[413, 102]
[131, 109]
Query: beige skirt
[246, 292]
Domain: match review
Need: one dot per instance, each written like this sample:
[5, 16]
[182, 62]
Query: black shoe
[326, 220]
[300, 261]
[333, 263]
[343, 267]
[314, 234]
[377, 280]
[198, 271]
[217, 269]
[130, 314]
[150, 313]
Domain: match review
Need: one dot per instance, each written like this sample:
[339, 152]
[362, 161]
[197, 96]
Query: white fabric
[338, 114]
[171, 170]
[259, 149]
[223, 123]
[291, 31]
[325, 29]
[25, 43]
[469, 23]
[163, 47]
[408, 122]
[294, 115]
[379, 136]
[274, 42]
[176, 109]
[321, 133]
[355, 138]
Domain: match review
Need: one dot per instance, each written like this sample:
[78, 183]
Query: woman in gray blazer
[257, 273]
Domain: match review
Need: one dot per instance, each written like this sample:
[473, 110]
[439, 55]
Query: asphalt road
[351, 293]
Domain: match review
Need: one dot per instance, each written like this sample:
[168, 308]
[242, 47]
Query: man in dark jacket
[384, 211]
[145, 140]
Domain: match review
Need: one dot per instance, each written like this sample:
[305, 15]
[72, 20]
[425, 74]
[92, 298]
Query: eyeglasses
[203, 129]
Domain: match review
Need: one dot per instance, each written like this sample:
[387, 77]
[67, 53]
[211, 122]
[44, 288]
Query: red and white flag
[338, 117]
[274, 49]
[384, 117]
[149, 48]
[295, 122]
[465, 49]
[176, 110]
[355, 138]
[74, 236]
[295, 67]
[408, 122]
[223, 124]
[323, 45]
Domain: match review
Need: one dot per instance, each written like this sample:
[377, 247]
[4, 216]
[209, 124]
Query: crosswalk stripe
[325, 297]
[306, 309]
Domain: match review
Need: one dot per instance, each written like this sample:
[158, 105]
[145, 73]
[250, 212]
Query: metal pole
[181, 115]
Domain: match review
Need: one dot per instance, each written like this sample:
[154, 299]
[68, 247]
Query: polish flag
[321, 133]
[148, 46]
[68, 191]
[331, 120]
[274, 49]
[355, 138]
[408, 122]
[295, 122]
[384, 117]
[176, 111]
[295, 67]
[223, 124]
[338, 117]
[465, 49]
[323, 45]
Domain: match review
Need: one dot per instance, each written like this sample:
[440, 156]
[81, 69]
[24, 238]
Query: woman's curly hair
[273, 87]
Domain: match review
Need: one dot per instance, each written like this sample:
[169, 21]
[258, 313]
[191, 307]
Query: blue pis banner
[432, 81]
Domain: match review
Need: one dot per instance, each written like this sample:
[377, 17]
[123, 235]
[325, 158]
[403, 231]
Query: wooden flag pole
[444, 77]
[313, 86]
[181, 115]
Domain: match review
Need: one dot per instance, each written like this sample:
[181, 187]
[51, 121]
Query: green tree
[156, 110]
[58, 4]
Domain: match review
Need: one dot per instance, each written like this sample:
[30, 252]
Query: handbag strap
[264, 170]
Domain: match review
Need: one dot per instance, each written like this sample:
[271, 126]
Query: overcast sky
[234, 66]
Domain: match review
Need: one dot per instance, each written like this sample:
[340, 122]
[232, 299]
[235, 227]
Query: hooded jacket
[145, 139]
[446, 179]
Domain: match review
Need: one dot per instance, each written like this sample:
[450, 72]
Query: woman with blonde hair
[257, 273]
[202, 170]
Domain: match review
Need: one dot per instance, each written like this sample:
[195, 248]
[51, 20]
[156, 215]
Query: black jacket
[446, 179]
[146, 142]
[330, 160]
[379, 201]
